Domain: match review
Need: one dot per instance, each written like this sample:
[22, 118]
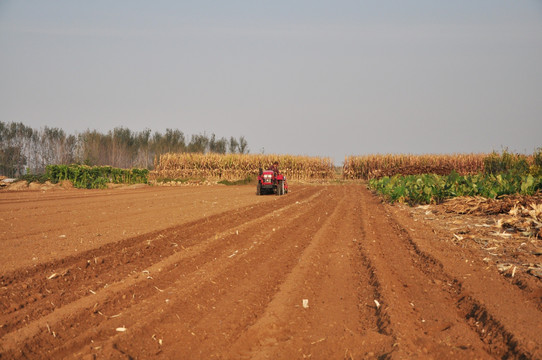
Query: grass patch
[29, 178]
[246, 181]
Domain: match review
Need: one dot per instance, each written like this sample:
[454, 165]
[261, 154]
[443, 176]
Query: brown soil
[218, 272]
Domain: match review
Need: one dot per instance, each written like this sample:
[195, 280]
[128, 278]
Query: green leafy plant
[40, 178]
[95, 177]
[430, 188]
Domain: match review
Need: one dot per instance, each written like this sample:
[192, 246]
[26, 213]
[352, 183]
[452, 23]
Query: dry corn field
[375, 166]
[239, 166]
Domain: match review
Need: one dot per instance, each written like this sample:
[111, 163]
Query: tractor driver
[275, 168]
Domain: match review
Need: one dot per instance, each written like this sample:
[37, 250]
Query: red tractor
[270, 182]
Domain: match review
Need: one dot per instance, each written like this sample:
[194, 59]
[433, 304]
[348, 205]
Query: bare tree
[198, 143]
[243, 145]
[23, 149]
[233, 145]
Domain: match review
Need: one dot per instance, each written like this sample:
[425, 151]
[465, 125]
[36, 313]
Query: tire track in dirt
[224, 310]
[340, 321]
[32, 234]
[231, 285]
[132, 253]
[422, 297]
[507, 332]
[31, 293]
[501, 342]
[207, 313]
[382, 318]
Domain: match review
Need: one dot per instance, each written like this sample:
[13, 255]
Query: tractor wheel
[259, 189]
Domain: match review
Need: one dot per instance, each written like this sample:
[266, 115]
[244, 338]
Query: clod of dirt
[66, 184]
[19, 185]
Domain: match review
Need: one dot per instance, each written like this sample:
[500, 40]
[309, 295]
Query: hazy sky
[330, 78]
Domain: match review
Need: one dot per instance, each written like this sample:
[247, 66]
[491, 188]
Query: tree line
[24, 150]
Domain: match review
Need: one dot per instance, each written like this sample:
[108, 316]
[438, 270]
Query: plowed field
[218, 272]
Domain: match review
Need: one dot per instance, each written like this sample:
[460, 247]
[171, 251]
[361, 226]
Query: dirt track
[217, 272]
